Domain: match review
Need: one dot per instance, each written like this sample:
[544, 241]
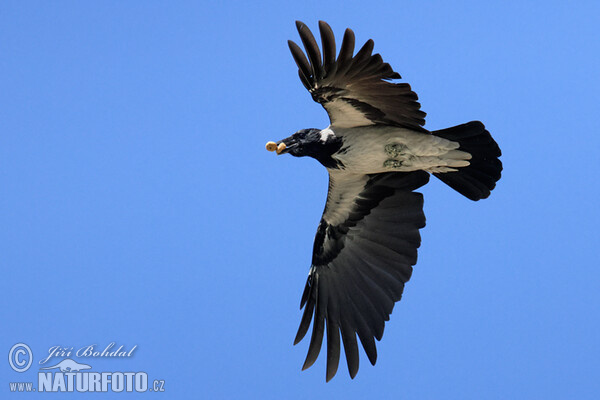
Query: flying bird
[377, 153]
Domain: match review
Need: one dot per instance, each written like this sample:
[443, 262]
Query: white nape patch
[343, 115]
[326, 134]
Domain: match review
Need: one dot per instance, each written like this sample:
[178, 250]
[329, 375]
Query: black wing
[354, 89]
[364, 250]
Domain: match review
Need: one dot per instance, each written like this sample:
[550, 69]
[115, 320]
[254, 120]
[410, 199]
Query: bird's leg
[392, 163]
[394, 150]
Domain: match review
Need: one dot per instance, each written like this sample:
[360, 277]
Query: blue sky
[138, 205]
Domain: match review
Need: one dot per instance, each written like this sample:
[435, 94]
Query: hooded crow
[377, 154]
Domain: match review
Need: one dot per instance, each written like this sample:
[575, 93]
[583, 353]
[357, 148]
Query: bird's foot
[394, 149]
[392, 163]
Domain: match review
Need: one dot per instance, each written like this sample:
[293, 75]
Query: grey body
[379, 148]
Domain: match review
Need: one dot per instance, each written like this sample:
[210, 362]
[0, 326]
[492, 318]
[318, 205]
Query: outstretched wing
[364, 250]
[354, 89]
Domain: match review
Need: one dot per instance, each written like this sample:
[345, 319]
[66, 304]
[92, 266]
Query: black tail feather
[478, 179]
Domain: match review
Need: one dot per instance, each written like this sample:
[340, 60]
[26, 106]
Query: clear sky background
[139, 206]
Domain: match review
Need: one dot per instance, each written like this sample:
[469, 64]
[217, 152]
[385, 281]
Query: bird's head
[315, 143]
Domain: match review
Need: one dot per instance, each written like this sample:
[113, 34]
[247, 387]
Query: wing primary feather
[368, 344]
[374, 65]
[351, 326]
[333, 325]
[350, 346]
[305, 322]
[364, 332]
[328, 43]
[300, 59]
[365, 52]
[304, 80]
[372, 316]
[361, 59]
[377, 301]
[312, 50]
[306, 291]
[333, 349]
[347, 47]
[316, 339]
[345, 60]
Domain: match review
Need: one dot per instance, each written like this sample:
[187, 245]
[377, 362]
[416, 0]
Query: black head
[314, 143]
